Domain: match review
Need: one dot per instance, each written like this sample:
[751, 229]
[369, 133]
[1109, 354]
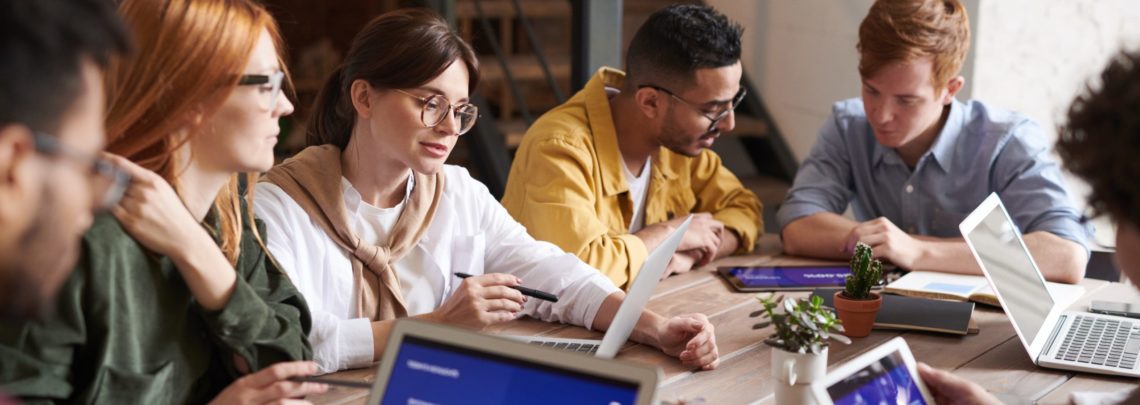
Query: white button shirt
[470, 233]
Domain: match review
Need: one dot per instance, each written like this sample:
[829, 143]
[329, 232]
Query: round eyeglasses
[436, 109]
[270, 86]
[716, 117]
[108, 181]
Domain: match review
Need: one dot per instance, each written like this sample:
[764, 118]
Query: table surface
[994, 358]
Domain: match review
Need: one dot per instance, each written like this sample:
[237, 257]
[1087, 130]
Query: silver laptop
[630, 310]
[429, 363]
[1054, 337]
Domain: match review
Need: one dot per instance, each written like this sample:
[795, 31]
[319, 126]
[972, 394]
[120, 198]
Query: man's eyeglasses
[109, 181]
[270, 86]
[715, 117]
[436, 109]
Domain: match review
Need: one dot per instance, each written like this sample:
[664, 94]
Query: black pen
[530, 292]
[331, 381]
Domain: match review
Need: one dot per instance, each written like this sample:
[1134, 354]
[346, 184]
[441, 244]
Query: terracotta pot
[857, 315]
[794, 373]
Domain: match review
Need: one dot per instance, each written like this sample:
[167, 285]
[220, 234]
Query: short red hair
[905, 30]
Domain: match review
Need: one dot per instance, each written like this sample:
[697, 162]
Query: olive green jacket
[125, 329]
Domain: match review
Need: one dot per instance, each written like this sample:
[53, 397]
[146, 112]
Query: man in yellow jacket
[611, 172]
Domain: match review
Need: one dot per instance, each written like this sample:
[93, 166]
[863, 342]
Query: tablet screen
[887, 381]
[820, 276]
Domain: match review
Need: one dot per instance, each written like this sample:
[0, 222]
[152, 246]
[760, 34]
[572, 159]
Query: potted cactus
[804, 328]
[856, 304]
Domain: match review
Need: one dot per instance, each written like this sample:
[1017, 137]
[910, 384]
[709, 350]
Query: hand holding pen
[542, 295]
[481, 301]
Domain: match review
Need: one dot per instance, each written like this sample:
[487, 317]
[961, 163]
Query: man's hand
[703, 236]
[887, 240]
[953, 390]
[681, 262]
[272, 386]
[481, 301]
[690, 338]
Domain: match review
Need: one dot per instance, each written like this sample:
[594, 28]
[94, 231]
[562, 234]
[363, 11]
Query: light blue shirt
[980, 150]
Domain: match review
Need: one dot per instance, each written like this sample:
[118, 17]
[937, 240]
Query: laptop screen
[1024, 294]
[429, 372]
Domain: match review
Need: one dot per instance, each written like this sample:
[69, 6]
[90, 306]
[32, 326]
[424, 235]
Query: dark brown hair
[401, 49]
[904, 30]
[1101, 140]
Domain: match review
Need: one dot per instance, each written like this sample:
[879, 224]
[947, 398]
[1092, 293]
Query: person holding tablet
[373, 226]
[1099, 144]
[173, 299]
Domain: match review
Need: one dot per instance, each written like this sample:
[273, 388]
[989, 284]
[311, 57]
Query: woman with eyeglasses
[372, 226]
[174, 299]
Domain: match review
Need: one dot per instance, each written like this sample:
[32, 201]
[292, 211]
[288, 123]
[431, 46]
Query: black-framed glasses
[270, 86]
[436, 109]
[717, 116]
[110, 182]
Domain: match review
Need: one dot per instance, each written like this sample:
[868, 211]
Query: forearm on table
[821, 235]
[648, 327]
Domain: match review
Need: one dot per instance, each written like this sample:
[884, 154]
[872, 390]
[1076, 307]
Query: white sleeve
[542, 266]
[338, 342]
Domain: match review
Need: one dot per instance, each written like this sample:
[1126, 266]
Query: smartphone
[784, 278]
[1131, 310]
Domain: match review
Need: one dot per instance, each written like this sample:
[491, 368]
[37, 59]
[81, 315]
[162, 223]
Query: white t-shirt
[638, 189]
[421, 289]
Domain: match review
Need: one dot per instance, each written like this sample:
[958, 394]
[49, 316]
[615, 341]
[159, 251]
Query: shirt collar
[943, 147]
[601, 120]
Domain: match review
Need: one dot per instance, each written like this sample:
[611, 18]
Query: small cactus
[865, 273]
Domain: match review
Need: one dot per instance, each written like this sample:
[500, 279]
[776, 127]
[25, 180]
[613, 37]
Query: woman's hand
[481, 301]
[152, 213]
[272, 386]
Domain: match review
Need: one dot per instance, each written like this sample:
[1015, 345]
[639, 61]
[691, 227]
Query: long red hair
[190, 56]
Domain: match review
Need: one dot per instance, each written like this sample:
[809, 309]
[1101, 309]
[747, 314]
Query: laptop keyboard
[570, 347]
[1102, 342]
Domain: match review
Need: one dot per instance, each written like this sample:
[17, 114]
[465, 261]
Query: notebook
[961, 287]
[630, 310]
[1054, 337]
[922, 314]
[429, 363]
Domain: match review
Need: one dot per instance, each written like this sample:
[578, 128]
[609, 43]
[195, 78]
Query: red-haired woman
[174, 298]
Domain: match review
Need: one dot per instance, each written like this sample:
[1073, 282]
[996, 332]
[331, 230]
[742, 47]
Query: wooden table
[993, 358]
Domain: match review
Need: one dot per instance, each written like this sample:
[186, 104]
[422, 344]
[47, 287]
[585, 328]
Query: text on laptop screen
[1023, 292]
[428, 372]
[886, 381]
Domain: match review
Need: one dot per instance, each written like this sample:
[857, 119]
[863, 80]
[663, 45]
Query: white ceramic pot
[794, 373]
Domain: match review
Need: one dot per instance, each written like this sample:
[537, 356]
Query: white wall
[1035, 56]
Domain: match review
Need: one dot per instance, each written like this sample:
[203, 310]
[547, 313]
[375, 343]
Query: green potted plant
[804, 328]
[856, 304]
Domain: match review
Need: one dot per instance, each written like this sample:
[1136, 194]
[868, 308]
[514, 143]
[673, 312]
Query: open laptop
[428, 363]
[1054, 337]
[630, 310]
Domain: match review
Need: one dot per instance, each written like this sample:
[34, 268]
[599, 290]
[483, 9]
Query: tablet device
[885, 374]
[785, 278]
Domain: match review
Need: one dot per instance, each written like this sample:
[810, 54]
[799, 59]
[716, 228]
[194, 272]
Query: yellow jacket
[567, 187]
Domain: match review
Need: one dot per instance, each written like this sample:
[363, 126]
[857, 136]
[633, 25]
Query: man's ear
[952, 88]
[17, 173]
[649, 101]
[360, 92]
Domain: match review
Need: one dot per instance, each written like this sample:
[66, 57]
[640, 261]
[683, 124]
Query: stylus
[530, 292]
[330, 381]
